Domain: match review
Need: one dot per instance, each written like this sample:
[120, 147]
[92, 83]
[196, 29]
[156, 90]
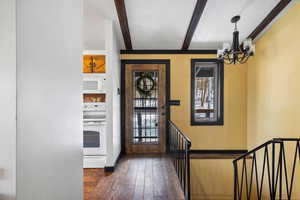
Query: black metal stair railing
[274, 177]
[179, 150]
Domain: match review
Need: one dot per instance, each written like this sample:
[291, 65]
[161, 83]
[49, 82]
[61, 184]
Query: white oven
[94, 129]
[94, 138]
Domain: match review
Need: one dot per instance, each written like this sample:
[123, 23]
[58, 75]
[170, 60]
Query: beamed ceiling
[185, 24]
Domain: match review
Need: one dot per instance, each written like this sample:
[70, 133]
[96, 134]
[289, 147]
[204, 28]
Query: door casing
[123, 114]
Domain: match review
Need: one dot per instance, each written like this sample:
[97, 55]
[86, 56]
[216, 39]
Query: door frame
[168, 81]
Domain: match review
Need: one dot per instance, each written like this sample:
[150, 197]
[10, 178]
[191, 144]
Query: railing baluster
[274, 166]
[256, 174]
[285, 172]
[182, 160]
[180, 152]
[235, 180]
[178, 155]
[185, 161]
[280, 173]
[269, 174]
[293, 172]
[177, 142]
[251, 179]
[188, 194]
[298, 144]
[273, 172]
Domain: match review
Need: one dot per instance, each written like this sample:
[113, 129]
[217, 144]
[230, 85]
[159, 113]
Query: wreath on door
[145, 84]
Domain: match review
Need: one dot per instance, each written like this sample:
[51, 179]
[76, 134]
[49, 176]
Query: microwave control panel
[94, 107]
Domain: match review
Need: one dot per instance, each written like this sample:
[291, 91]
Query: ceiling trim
[199, 8]
[269, 18]
[169, 51]
[123, 20]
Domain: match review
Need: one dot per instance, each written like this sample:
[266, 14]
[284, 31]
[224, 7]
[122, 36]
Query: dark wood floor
[136, 177]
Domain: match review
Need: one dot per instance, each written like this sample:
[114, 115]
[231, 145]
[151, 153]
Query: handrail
[253, 150]
[179, 150]
[276, 167]
[274, 140]
[287, 139]
[179, 131]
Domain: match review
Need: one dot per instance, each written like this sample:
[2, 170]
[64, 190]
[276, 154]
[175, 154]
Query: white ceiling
[162, 24]
[215, 27]
[158, 24]
[94, 14]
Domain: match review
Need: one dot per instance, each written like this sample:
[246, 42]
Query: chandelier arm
[230, 61]
[240, 59]
[227, 62]
[228, 58]
[244, 61]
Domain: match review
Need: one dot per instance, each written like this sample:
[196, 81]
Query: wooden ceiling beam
[269, 18]
[199, 8]
[122, 15]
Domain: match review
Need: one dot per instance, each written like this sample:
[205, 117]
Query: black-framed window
[207, 90]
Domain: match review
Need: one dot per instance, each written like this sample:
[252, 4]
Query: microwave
[94, 84]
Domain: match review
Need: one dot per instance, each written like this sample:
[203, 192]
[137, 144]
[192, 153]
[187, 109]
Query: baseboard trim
[112, 168]
[109, 169]
[218, 151]
[217, 154]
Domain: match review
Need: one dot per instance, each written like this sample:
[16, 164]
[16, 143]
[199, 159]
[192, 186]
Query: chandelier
[236, 53]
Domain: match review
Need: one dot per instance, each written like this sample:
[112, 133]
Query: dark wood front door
[145, 108]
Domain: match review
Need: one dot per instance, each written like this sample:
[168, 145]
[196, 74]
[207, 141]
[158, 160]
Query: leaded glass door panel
[145, 108]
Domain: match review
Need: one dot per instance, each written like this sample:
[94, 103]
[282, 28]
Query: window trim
[220, 67]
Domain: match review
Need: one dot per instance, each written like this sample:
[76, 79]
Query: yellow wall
[273, 106]
[273, 87]
[230, 136]
[211, 179]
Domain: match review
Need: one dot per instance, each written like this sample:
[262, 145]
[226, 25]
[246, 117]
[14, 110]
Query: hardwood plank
[116, 185]
[199, 8]
[132, 179]
[142, 177]
[139, 186]
[175, 187]
[159, 189]
[165, 167]
[148, 185]
[126, 191]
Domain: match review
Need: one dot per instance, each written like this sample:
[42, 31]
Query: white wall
[93, 27]
[113, 98]
[116, 66]
[7, 100]
[49, 126]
